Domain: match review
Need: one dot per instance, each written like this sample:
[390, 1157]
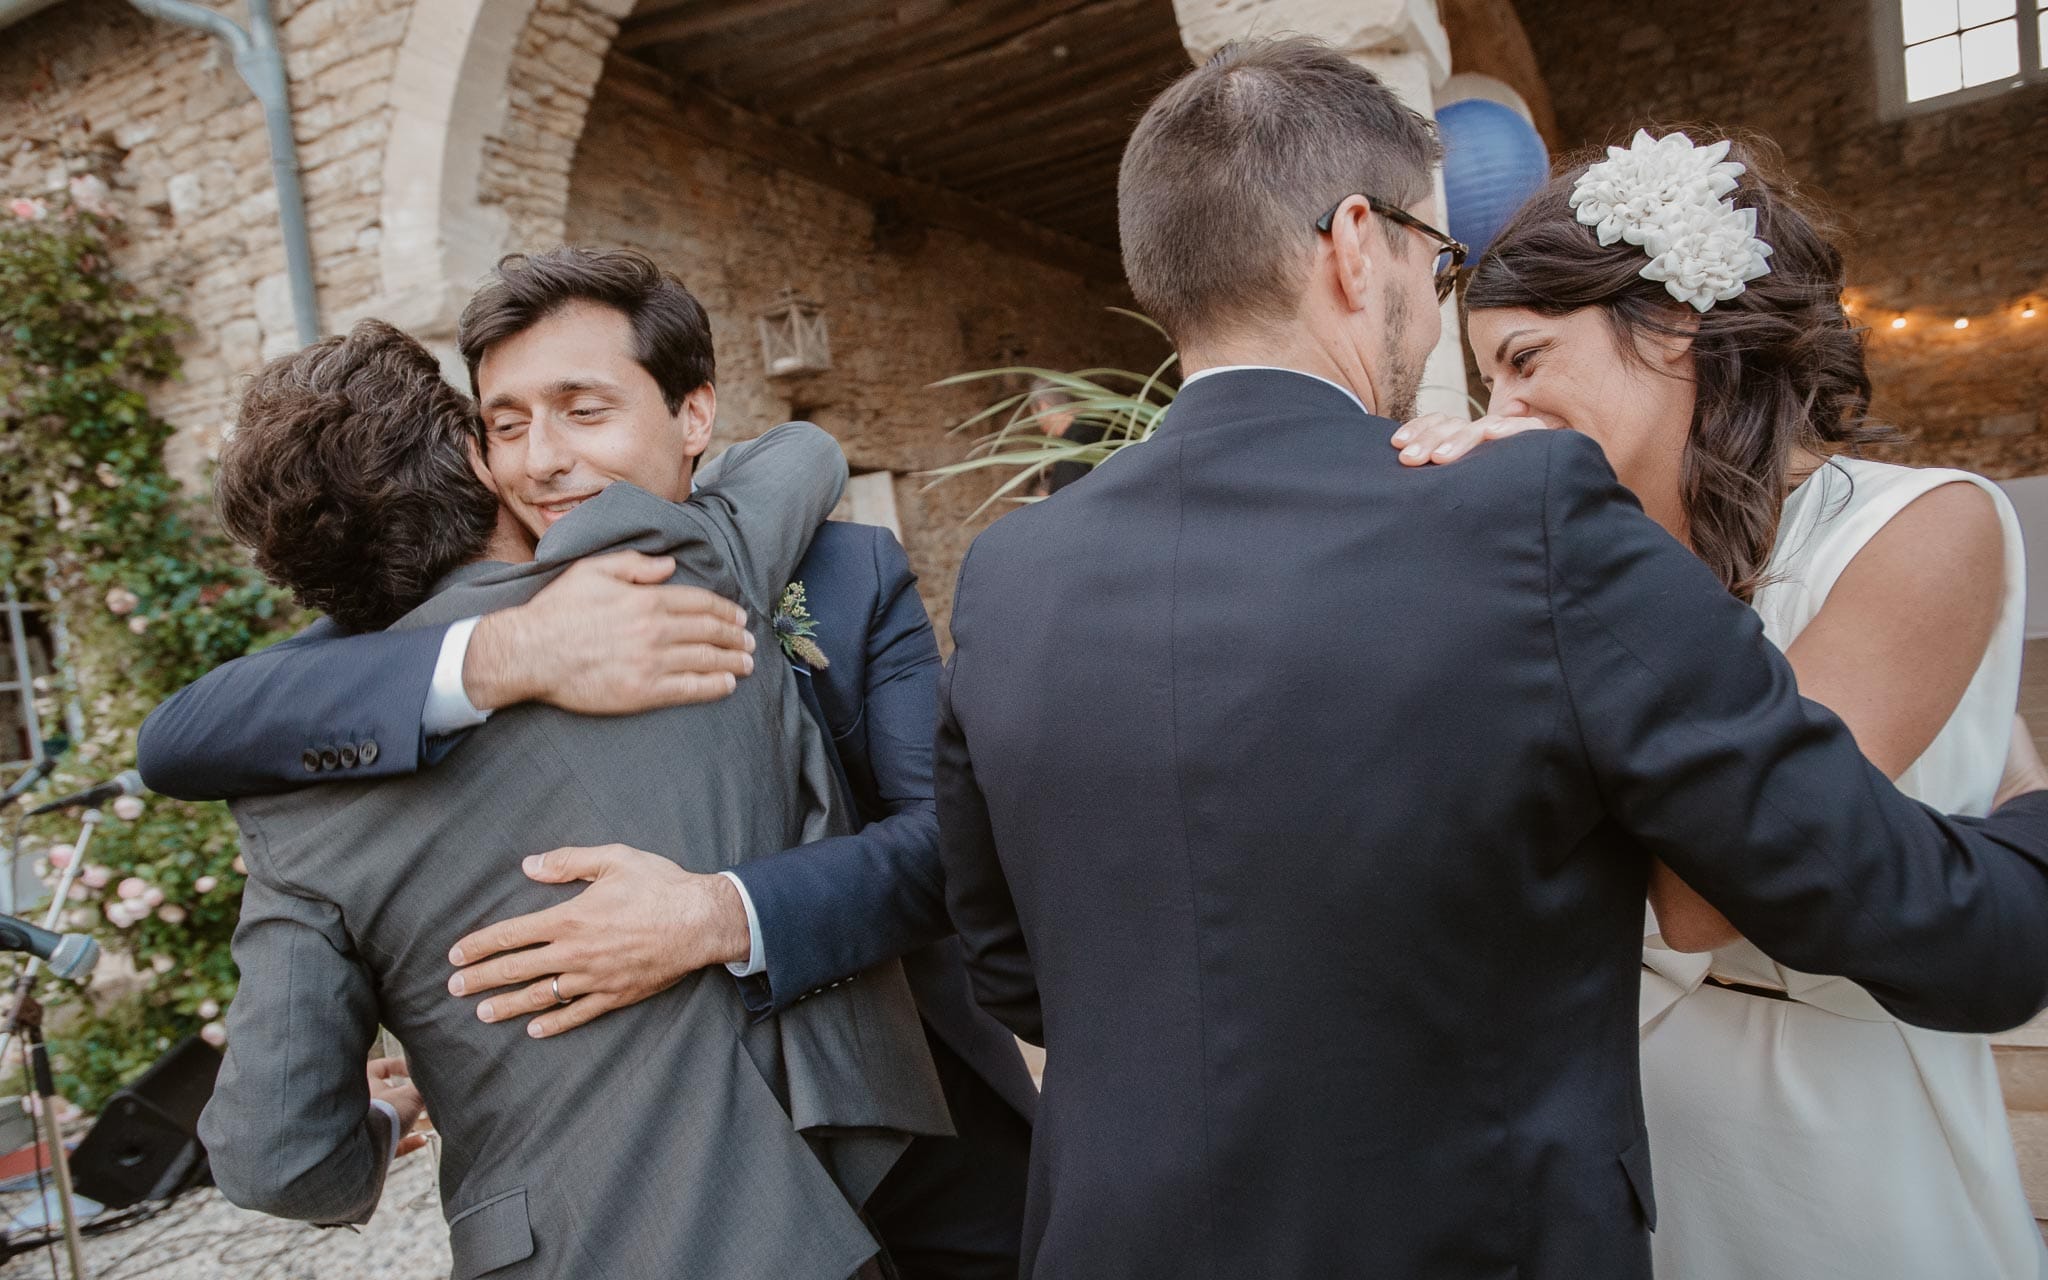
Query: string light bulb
[1962, 322]
[1898, 322]
[2027, 312]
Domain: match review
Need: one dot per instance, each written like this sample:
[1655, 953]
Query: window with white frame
[1933, 53]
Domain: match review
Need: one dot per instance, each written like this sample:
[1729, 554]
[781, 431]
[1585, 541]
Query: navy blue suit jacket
[1337, 951]
[827, 910]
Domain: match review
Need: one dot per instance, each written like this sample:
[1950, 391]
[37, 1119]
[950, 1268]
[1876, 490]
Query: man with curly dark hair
[348, 476]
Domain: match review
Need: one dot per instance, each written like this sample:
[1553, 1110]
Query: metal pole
[261, 63]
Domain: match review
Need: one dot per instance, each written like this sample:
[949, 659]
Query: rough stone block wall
[160, 113]
[902, 314]
[526, 164]
[1944, 210]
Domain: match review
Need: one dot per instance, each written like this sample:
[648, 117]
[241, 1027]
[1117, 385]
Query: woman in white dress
[1797, 1131]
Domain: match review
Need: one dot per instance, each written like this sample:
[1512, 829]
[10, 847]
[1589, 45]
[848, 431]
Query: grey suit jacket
[674, 1138]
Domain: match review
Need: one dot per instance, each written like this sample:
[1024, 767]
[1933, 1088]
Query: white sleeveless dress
[1819, 1138]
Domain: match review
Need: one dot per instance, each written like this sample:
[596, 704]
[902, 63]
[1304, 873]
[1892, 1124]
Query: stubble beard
[1403, 372]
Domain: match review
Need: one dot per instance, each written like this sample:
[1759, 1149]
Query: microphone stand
[26, 1017]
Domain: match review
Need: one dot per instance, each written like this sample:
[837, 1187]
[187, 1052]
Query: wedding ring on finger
[555, 989]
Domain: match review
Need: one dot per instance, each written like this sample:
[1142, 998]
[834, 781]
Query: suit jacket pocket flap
[487, 1236]
[1635, 1162]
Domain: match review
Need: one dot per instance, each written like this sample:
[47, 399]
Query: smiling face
[1571, 372]
[568, 409]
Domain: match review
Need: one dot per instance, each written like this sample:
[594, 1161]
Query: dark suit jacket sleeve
[289, 1130]
[244, 728]
[1760, 800]
[977, 895]
[834, 907]
[769, 495]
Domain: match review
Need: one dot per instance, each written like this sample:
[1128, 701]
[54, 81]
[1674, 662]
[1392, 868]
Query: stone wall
[161, 114]
[904, 309]
[1944, 209]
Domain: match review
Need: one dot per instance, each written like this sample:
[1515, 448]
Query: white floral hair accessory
[1671, 197]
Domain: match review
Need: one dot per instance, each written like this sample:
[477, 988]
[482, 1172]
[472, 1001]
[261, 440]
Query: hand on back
[642, 926]
[611, 636]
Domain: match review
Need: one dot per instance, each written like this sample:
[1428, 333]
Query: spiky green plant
[1125, 403]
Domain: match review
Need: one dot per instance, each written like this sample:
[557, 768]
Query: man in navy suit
[327, 705]
[1336, 956]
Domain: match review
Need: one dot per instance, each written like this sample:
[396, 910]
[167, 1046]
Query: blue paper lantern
[1493, 161]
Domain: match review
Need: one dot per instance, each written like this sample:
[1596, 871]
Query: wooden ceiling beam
[861, 70]
[723, 124]
[1112, 102]
[704, 18]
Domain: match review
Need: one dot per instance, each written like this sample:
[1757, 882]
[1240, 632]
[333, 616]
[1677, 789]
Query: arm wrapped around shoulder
[1761, 800]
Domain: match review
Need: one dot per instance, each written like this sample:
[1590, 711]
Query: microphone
[41, 769]
[70, 955]
[126, 783]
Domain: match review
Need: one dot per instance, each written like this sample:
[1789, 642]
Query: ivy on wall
[94, 529]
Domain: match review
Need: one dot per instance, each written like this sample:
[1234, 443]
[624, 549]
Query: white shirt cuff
[448, 708]
[390, 1114]
[757, 955]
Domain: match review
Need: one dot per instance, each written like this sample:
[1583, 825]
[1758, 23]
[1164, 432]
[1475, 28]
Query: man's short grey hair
[1226, 174]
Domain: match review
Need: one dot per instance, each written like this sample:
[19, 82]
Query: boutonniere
[794, 627]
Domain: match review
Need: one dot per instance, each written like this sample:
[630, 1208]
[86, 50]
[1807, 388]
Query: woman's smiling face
[1571, 372]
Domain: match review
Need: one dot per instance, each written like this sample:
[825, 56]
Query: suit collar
[1255, 393]
[1213, 370]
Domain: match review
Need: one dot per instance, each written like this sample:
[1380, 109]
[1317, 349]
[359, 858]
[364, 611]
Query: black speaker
[145, 1145]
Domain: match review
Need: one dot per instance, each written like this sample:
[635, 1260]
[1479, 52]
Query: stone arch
[488, 99]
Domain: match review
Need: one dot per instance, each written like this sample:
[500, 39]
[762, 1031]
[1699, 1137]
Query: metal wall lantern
[793, 337]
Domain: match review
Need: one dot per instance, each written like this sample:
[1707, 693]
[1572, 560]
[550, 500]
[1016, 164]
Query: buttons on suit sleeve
[827, 987]
[348, 755]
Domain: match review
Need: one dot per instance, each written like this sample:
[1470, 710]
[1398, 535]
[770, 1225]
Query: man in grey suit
[677, 1137]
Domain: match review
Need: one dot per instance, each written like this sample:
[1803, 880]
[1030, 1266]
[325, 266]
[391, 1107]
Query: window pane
[1991, 53]
[1933, 69]
[2041, 43]
[1925, 19]
[1975, 13]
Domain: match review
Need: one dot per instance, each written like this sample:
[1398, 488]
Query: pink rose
[162, 964]
[171, 913]
[132, 887]
[138, 624]
[60, 855]
[241, 867]
[213, 1033]
[78, 892]
[28, 210]
[152, 897]
[205, 884]
[121, 600]
[128, 808]
[209, 1008]
[94, 877]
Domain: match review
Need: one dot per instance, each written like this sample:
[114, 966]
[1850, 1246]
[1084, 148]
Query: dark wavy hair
[1778, 368]
[671, 332]
[348, 476]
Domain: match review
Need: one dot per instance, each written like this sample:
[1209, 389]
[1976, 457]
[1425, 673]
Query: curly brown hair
[348, 476]
[1779, 367]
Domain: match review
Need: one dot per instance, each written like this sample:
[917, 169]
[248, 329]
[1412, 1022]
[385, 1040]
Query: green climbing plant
[97, 533]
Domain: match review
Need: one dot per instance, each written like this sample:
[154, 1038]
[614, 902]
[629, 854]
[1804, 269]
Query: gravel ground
[203, 1237]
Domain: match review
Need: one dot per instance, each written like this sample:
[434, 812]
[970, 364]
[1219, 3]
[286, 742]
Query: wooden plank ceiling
[1019, 105]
